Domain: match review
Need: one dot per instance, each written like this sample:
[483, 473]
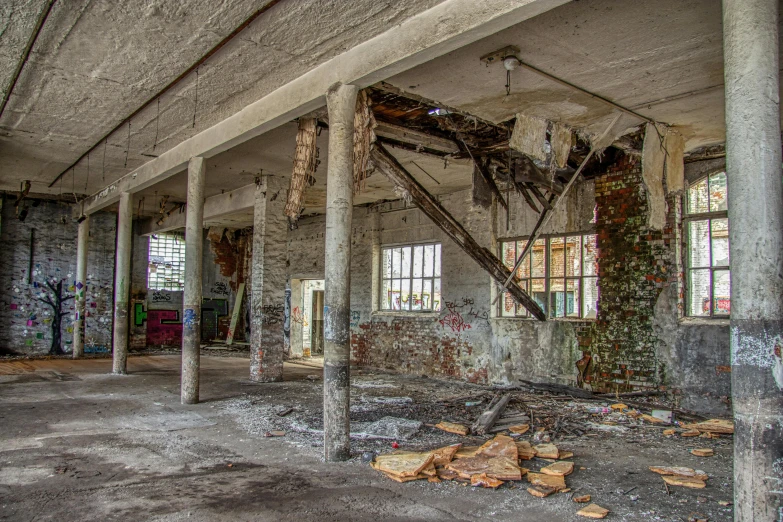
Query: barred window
[166, 269]
[410, 278]
[559, 272]
[707, 255]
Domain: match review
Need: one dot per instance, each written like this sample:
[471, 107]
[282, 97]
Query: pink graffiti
[455, 321]
[297, 316]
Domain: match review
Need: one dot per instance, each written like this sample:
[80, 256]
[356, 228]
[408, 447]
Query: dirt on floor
[77, 443]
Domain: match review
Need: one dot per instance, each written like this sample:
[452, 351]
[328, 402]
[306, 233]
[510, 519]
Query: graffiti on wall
[298, 317]
[220, 288]
[272, 314]
[161, 296]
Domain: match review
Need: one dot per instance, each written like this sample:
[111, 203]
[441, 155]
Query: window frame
[411, 278]
[178, 265]
[548, 278]
[707, 217]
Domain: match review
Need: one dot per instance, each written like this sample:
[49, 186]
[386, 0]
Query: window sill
[704, 321]
[556, 319]
[406, 315]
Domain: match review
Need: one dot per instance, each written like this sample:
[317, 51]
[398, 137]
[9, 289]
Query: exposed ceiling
[662, 58]
[97, 61]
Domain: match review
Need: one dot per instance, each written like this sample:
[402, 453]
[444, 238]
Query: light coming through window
[166, 269]
[410, 278]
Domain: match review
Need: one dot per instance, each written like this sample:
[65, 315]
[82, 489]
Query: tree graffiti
[56, 300]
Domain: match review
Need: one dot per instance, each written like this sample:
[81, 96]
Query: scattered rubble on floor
[593, 511]
[703, 452]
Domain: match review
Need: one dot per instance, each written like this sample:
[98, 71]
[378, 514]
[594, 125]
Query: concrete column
[191, 298]
[341, 103]
[755, 191]
[81, 287]
[268, 280]
[122, 284]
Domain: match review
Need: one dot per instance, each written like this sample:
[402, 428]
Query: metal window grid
[396, 281]
[166, 268]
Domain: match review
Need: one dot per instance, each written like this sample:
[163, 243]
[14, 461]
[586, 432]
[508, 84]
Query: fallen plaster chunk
[688, 482]
[713, 426]
[541, 491]
[560, 468]
[593, 511]
[703, 452]
[484, 481]
[674, 144]
[465, 452]
[525, 450]
[445, 455]
[403, 464]
[500, 446]
[556, 482]
[501, 468]
[679, 471]
[584, 499]
[547, 451]
[529, 136]
[451, 427]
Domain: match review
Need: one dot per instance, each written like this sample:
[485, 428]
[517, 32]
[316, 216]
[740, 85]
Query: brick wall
[27, 322]
[634, 266]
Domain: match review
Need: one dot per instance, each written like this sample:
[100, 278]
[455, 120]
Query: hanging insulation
[561, 144]
[529, 136]
[674, 144]
[305, 163]
[363, 139]
[653, 160]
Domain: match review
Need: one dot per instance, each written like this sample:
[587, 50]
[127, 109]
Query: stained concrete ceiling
[662, 58]
[96, 61]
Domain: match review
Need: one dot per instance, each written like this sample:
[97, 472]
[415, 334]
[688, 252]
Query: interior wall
[638, 341]
[27, 322]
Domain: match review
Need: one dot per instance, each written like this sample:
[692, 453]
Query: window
[707, 256]
[560, 273]
[166, 269]
[410, 278]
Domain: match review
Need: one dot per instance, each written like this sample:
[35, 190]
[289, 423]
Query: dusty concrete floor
[77, 443]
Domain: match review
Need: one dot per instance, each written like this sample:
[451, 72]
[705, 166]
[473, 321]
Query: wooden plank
[481, 166]
[525, 171]
[487, 419]
[539, 196]
[401, 178]
[235, 313]
[415, 137]
[528, 198]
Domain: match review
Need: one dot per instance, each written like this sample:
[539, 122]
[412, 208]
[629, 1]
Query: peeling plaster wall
[27, 321]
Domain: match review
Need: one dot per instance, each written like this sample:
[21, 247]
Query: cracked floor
[77, 443]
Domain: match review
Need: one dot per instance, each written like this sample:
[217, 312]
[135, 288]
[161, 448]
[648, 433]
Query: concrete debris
[501, 468]
[484, 481]
[500, 446]
[561, 468]
[541, 491]
[392, 400]
[390, 428]
[556, 482]
[593, 511]
[547, 451]
[679, 471]
[688, 482]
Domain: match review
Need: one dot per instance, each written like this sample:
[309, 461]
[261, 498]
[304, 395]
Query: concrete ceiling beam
[215, 207]
[445, 27]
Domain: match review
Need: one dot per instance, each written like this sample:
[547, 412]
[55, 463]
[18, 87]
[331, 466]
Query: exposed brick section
[417, 346]
[634, 267]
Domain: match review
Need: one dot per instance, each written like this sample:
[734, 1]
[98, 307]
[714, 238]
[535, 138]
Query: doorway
[311, 318]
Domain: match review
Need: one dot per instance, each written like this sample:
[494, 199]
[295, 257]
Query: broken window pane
[698, 198]
[699, 238]
[720, 242]
[437, 260]
[718, 192]
[699, 286]
[721, 292]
